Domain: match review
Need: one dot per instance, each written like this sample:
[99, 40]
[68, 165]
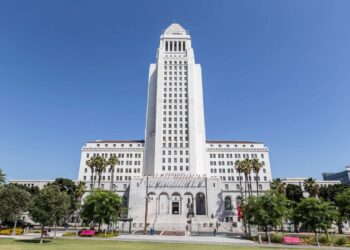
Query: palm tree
[278, 186]
[100, 165]
[90, 164]
[247, 169]
[311, 187]
[2, 177]
[256, 165]
[239, 169]
[80, 190]
[112, 162]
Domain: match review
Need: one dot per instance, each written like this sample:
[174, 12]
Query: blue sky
[273, 71]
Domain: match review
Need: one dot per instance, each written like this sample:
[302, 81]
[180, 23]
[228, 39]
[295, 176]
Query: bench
[87, 233]
[291, 240]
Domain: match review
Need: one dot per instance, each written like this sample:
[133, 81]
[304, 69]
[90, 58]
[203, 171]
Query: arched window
[228, 203]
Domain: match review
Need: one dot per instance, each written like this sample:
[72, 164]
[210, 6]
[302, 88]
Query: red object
[239, 212]
[87, 232]
[291, 240]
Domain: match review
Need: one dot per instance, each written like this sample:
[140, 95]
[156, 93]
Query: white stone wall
[130, 162]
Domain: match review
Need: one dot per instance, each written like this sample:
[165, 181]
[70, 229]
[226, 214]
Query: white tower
[175, 130]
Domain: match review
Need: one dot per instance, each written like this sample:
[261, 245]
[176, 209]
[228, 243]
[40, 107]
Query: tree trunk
[92, 179]
[245, 186]
[99, 180]
[257, 184]
[55, 231]
[14, 228]
[112, 179]
[42, 234]
[340, 226]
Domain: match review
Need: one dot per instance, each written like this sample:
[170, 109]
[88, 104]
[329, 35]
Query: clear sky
[273, 71]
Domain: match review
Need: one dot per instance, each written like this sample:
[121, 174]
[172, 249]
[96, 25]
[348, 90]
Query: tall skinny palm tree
[239, 169]
[311, 187]
[112, 162]
[100, 165]
[256, 166]
[2, 177]
[247, 169]
[90, 164]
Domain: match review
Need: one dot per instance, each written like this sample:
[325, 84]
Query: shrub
[339, 240]
[69, 234]
[110, 234]
[10, 230]
[323, 239]
[277, 238]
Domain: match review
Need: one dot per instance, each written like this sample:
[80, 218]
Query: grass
[91, 244]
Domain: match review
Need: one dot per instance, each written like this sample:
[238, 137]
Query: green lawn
[73, 244]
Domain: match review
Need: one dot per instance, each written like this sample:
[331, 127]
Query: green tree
[2, 177]
[294, 194]
[69, 187]
[49, 207]
[256, 166]
[316, 214]
[267, 211]
[329, 193]
[13, 202]
[80, 191]
[311, 187]
[278, 186]
[102, 207]
[33, 190]
[112, 162]
[342, 201]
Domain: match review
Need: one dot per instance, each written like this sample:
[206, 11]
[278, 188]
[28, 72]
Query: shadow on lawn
[37, 241]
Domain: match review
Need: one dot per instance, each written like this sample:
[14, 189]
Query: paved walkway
[185, 239]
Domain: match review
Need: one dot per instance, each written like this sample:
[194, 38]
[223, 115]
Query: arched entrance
[200, 204]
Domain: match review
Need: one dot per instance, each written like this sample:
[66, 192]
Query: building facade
[343, 176]
[180, 176]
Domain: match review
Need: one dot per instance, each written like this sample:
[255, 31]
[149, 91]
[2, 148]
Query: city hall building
[176, 172]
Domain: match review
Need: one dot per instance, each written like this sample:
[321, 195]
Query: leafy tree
[112, 162]
[342, 201]
[2, 177]
[49, 207]
[316, 214]
[33, 190]
[266, 211]
[256, 166]
[294, 194]
[329, 193]
[278, 186]
[13, 202]
[68, 186]
[101, 206]
[311, 187]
